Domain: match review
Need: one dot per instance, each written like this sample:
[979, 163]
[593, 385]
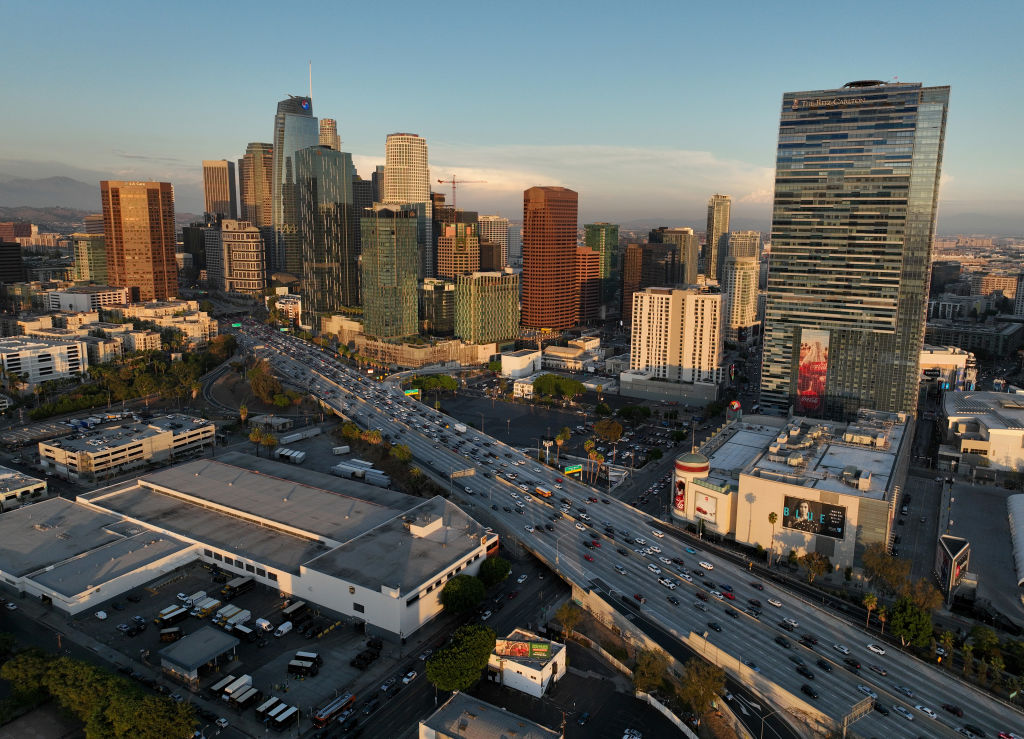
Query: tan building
[142, 341]
[97, 455]
[18, 489]
[407, 355]
[138, 222]
[183, 316]
[38, 360]
[219, 188]
[458, 250]
[86, 297]
[235, 258]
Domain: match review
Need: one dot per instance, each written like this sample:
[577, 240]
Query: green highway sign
[570, 469]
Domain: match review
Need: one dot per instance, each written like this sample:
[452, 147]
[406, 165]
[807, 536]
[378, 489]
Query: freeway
[595, 540]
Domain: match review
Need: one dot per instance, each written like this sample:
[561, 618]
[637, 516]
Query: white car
[469, 489]
[641, 541]
[409, 677]
[903, 712]
[716, 594]
[792, 622]
[655, 548]
[876, 649]
[580, 526]
[654, 568]
[665, 560]
[521, 579]
[709, 566]
[778, 604]
[659, 534]
[487, 615]
[667, 583]
[222, 723]
[867, 691]
[529, 528]
[686, 576]
[926, 711]
[841, 648]
[620, 569]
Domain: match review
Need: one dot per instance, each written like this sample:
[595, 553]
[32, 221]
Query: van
[283, 629]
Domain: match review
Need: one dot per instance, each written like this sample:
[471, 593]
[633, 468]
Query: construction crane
[454, 181]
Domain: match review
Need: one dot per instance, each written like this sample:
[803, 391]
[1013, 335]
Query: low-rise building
[38, 360]
[465, 717]
[183, 316]
[992, 338]
[86, 297]
[142, 341]
[948, 368]
[104, 453]
[17, 489]
[521, 363]
[527, 662]
[983, 433]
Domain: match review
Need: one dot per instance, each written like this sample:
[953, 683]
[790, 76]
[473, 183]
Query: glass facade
[295, 128]
[487, 307]
[856, 187]
[717, 237]
[327, 229]
[388, 270]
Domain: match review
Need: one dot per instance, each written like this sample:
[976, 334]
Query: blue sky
[645, 108]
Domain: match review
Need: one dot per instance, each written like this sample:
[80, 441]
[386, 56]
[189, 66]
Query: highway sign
[573, 468]
[464, 473]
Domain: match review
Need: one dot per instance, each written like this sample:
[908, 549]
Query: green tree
[401, 452]
[569, 615]
[968, 654]
[608, 430]
[372, 436]
[563, 436]
[870, 603]
[269, 441]
[883, 616]
[649, 670]
[603, 409]
[925, 595]
[350, 431]
[256, 437]
[281, 400]
[792, 558]
[654, 454]
[815, 564]
[493, 570]
[462, 593]
[998, 666]
[773, 518]
[701, 684]
[910, 623]
[458, 666]
[985, 640]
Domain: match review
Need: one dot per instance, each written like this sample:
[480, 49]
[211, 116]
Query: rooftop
[198, 648]
[470, 718]
[521, 353]
[526, 648]
[994, 411]
[12, 480]
[112, 437]
[90, 289]
[28, 343]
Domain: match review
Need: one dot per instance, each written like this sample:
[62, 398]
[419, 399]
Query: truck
[219, 686]
[165, 612]
[196, 597]
[263, 625]
[171, 618]
[283, 629]
[460, 428]
[238, 687]
[226, 613]
[244, 632]
[236, 587]
[360, 463]
[295, 436]
[282, 453]
[208, 606]
[239, 619]
[297, 457]
[246, 698]
[339, 450]
[171, 635]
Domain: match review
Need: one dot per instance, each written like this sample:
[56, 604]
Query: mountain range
[48, 192]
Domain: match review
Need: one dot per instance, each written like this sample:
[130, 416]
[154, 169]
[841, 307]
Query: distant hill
[49, 191]
[49, 220]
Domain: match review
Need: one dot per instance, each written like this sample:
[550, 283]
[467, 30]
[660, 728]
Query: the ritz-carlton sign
[826, 102]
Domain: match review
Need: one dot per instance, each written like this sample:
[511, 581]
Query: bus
[244, 632]
[292, 612]
[543, 492]
[303, 668]
[219, 686]
[310, 657]
[333, 709]
[263, 709]
[286, 719]
[236, 587]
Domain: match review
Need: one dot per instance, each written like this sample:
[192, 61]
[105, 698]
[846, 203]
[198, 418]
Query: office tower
[490, 257]
[11, 230]
[603, 238]
[687, 251]
[677, 334]
[327, 227]
[588, 284]
[12, 265]
[407, 182]
[193, 239]
[362, 194]
[295, 128]
[377, 179]
[219, 188]
[487, 307]
[1018, 301]
[329, 134]
[235, 258]
[437, 307]
[94, 223]
[458, 250]
[856, 186]
[495, 229]
[388, 270]
[515, 245]
[739, 285]
[138, 224]
[549, 257]
[716, 243]
[90, 258]
[632, 270]
[255, 180]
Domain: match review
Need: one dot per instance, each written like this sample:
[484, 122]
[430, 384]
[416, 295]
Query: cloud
[147, 157]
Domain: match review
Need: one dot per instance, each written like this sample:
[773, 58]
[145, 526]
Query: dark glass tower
[856, 187]
[327, 229]
[295, 128]
[388, 267]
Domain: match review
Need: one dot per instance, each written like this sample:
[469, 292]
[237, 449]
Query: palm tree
[256, 436]
[946, 640]
[773, 518]
[243, 413]
[882, 617]
[871, 603]
[269, 441]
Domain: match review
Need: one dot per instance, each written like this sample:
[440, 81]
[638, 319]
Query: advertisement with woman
[679, 502]
[814, 517]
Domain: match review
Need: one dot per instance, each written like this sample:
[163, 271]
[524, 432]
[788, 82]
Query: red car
[588, 558]
[592, 499]
[640, 598]
[730, 596]
[596, 543]
[513, 594]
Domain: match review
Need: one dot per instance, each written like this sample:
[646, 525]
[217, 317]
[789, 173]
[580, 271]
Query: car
[409, 677]
[786, 626]
[588, 558]
[876, 649]
[905, 691]
[549, 527]
[802, 670]
[690, 550]
[222, 723]
[955, 710]
[657, 533]
[940, 651]
[387, 684]
[867, 691]
[700, 606]
[824, 664]
[123, 628]
[521, 579]
[880, 670]
[640, 597]
[529, 528]
[903, 712]
[486, 615]
[673, 600]
[972, 730]
[792, 622]
[926, 711]
[686, 576]
[714, 626]
[654, 568]
[881, 709]
[754, 602]
[851, 663]
[752, 665]
[665, 560]
[622, 551]
[425, 654]
[707, 565]
[702, 595]
[716, 594]
[10, 606]
[783, 642]
[580, 526]
[841, 648]
[583, 719]
[775, 602]
[596, 543]
[139, 620]
[808, 691]
[182, 597]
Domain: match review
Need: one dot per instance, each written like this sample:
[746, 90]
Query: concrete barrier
[663, 710]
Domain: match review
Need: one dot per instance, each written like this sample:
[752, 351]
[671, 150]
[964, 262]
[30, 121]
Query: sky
[644, 108]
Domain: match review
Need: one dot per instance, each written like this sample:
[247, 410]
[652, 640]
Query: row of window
[240, 565]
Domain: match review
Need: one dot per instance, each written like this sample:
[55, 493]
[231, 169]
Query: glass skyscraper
[295, 128]
[856, 187]
[388, 270]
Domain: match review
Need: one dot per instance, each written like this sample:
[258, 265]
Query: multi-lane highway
[598, 542]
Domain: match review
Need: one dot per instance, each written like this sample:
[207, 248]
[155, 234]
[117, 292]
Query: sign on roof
[524, 649]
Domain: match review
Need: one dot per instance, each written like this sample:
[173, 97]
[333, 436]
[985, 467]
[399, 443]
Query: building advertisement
[705, 507]
[812, 370]
[813, 517]
[518, 648]
[679, 502]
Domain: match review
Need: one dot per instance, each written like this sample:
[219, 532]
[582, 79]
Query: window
[272, 576]
[217, 557]
[358, 608]
[207, 553]
[261, 572]
[250, 568]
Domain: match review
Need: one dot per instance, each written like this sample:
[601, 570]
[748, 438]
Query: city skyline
[627, 168]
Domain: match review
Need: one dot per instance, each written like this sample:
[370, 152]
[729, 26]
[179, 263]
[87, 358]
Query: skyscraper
[687, 251]
[388, 270]
[437, 307]
[94, 223]
[856, 187]
[235, 258]
[588, 284]
[458, 249]
[329, 134]
[716, 245]
[138, 224]
[549, 257]
[604, 239]
[255, 180]
[495, 229]
[407, 182]
[632, 272]
[295, 128]
[327, 229]
[90, 258]
[219, 188]
[487, 307]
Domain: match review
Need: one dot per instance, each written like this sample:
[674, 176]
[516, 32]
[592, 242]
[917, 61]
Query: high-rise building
[94, 223]
[716, 244]
[90, 258]
[437, 307]
[407, 182]
[487, 307]
[12, 264]
[329, 134]
[495, 229]
[235, 258]
[219, 188]
[327, 227]
[255, 180]
[588, 284]
[377, 180]
[388, 270]
[490, 257]
[603, 238]
[856, 187]
[744, 244]
[677, 334]
[138, 224]
[11, 230]
[549, 257]
[740, 292]
[458, 250]
[295, 128]
[687, 251]
[632, 272]
[515, 245]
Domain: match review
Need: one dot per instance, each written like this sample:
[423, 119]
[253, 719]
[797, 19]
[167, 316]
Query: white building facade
[38, 360]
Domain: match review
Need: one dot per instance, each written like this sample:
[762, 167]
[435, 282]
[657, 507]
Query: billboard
[679, 502]
[523, 649]
[813, 517]
[706, 507]
[812, 370]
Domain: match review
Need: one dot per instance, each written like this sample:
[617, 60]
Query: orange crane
[454, 181]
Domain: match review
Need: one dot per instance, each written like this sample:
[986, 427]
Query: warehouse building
[17, 489]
